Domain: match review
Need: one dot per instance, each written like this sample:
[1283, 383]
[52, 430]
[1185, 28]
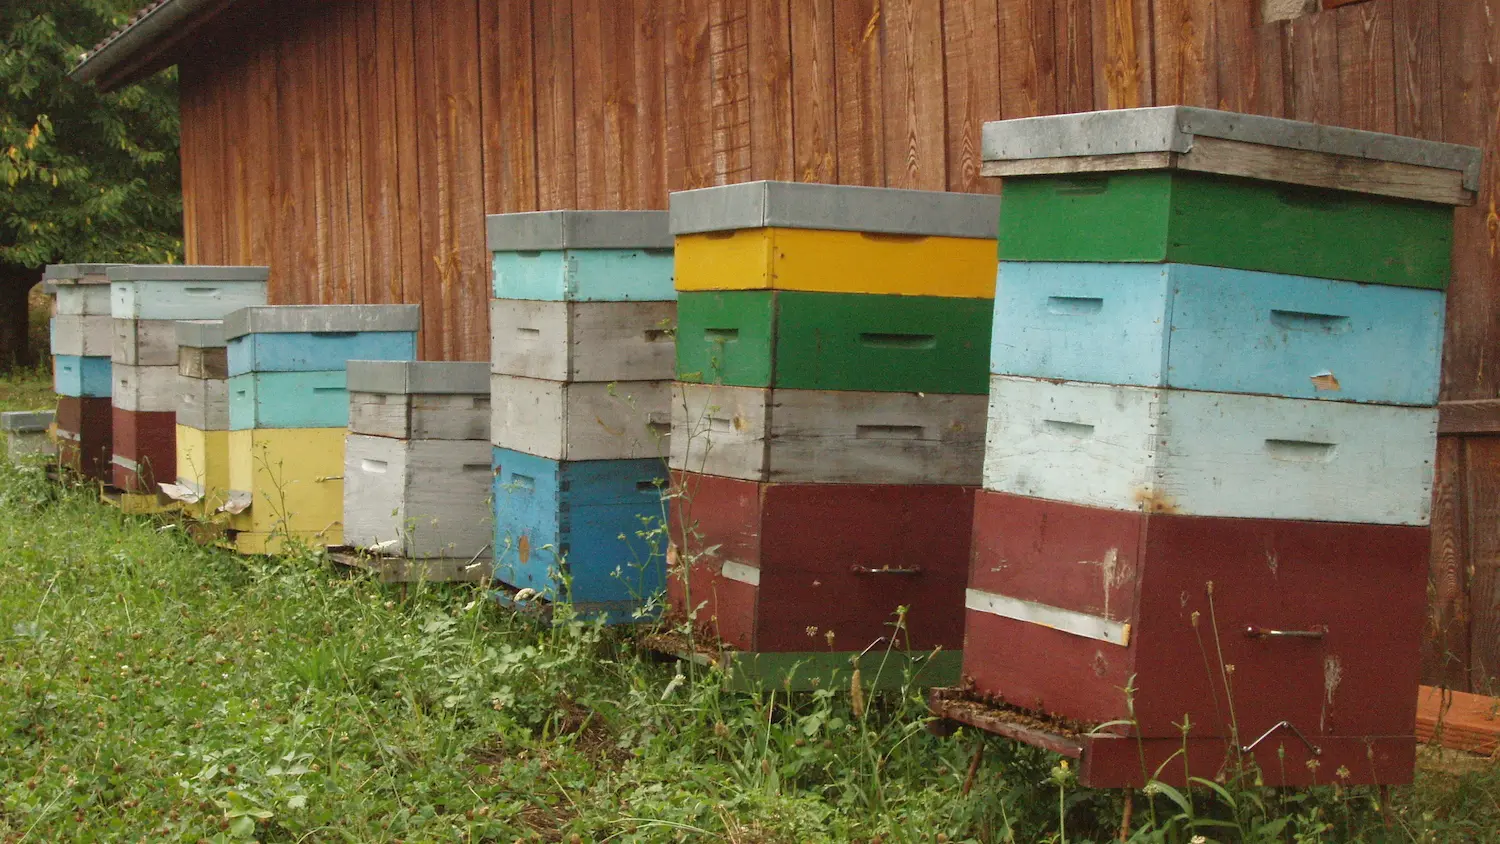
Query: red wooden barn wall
[355, 146]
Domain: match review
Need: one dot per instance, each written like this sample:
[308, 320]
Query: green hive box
[834, 341]
[1220, 221]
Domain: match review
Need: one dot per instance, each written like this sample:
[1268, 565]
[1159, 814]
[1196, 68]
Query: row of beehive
[1196, 379]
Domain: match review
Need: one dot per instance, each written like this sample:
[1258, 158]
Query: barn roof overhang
[153, 39]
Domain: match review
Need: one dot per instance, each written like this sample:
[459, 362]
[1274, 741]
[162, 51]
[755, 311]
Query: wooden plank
[770, 67]
[518, 112]
[1313, 63]
[814, 106]
[1237, 61]
[689, 129]
[729, 70]
[1469, 416]
[190, 150]
[1270, 47]
[1122, 50]
[913, 87]
[432, 193]
[1445, 641]
[595, 106]
[408, 152]
[1028, 70]
[332, 196]
[470, 286]
[1482, 507]
[1186, 53]
[827, 436]
[646, 162]
[1418, 66]
[971, 32]
[1459, 720]
[1366, 69]
[553, 81]
[234, 101]
[1074, 38]
[858, 96]
[353, 72]
[262, 151]
[378, 165]
[1470, 90]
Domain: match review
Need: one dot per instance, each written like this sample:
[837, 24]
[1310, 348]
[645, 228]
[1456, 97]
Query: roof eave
[146, 45]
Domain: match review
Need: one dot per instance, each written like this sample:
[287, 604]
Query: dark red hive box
[1188, 649]
[85, 436]
[795, 557]
[149, 442]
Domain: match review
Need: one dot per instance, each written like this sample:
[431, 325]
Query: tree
[85, 177]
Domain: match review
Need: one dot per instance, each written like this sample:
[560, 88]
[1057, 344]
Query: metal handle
[885, 570]
[1282, 725]
[1256, 632]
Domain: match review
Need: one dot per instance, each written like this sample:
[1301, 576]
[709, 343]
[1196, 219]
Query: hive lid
[1209, 140]
[201, 333]
[26, 421]
[536, 230]
[798, 205]
[76, 273]
[182, 272]
[404, 377]
[313, 319]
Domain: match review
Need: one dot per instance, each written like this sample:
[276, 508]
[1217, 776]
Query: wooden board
[211, 363]
[430, 496]
[806, 567]
[836, 262]
[82, 377]
[82, 336]
[317, 351]
[292, 479]
[1210, 454]
[420, 417]
[85, 436]
[1356, 675]
[581, 421]
[584, 275]
[1226, 222]
[833, 341]
[582, 341]
[821, 436]
[1208, 328]
[559, 529]
[145, 342]
[1459, 720]
[145, 449]
[288, 400]
[151, 389]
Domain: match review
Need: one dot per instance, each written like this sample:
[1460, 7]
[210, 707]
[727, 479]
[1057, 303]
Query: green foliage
[84, 176]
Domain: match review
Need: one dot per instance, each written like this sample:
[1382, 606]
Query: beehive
[289, 413]
[582, 359]
[827, 418]
[146, 301]
[1211, 442]
[27, 435]
[417, 468]
[82, 345]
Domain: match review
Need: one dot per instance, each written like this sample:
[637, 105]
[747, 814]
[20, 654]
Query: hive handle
[1257, 632]
[912, 570]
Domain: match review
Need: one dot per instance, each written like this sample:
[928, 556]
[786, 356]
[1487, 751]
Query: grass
[152, 689]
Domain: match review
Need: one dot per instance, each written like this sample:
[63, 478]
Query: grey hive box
[798, 205]
[201, 351]
[83, 336]
[419, 499]
[420, 400]
[26, 435]
[583, 341]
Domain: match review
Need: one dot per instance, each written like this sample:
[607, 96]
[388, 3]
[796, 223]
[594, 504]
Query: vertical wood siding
[355, 146]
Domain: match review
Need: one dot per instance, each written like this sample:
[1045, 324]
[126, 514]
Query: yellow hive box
[203, 467]
[292, 479]
[275, 543]
[837, 262]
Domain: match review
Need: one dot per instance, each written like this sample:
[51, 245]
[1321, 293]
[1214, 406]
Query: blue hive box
[319, 338]
[582, 256]
[82, 377]
[554, 517]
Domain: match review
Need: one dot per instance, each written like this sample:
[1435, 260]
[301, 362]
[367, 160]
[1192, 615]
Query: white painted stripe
[1067, 621]
[125, 462]
[741, 573]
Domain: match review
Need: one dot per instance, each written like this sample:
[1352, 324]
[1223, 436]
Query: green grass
[152, 689]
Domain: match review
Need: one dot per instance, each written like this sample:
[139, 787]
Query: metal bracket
[1256, 632]
[885, 570]
[1282, 725]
